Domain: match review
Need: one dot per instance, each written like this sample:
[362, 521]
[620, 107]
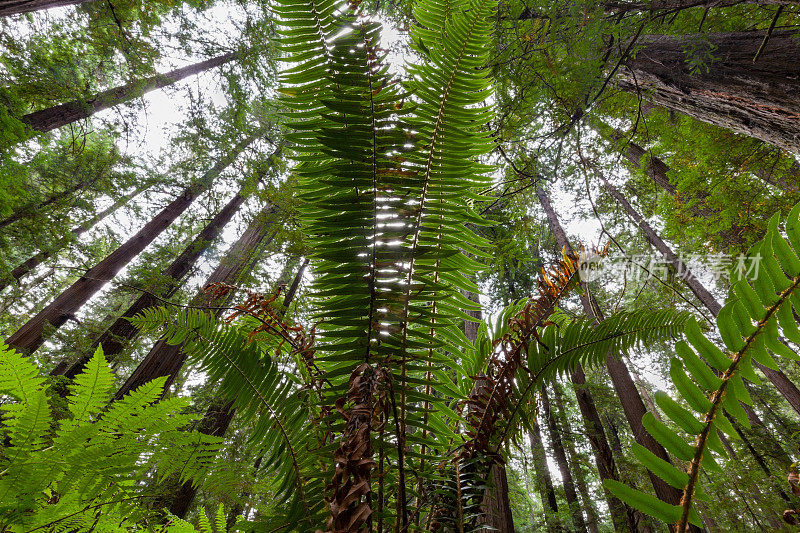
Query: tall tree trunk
[218, 417]
[67, 113]
[544, 482]
[579, 476]
[496, 505]
[632, 404]
[30, 336]
[167, 359]
[754, 98]
[14, 7]
[34, 261]
[563, 466]
[781, 381]
[122, 331]
[622, 516]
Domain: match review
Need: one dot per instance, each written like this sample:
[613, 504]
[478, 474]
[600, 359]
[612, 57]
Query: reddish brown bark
[122, 331]
[67, 113]
[30, 336]
[25, 267]
[728, 89]
[563, 466]
[167, 359]
[15, 7]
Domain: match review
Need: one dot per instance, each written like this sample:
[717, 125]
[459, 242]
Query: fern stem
[716, 403]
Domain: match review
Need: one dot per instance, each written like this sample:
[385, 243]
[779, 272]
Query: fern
[384, 208]
[86, 470]
[709, 379]
[262, 393]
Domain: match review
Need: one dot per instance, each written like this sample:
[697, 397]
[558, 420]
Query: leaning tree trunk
[122, 331]
[781, 381]
[754, 97]
[67, 113]
[30, 209]
[632, 404]
[14, 7]
[622, 516]
[31, 263]
[563, 466]
[30, 336]
[593, 520]
[167, 359]
[219, 416]
[544, 482]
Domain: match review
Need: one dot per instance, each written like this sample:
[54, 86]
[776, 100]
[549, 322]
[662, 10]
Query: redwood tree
[114, 339]
[730, 80]
[31, 335]
[69, 112]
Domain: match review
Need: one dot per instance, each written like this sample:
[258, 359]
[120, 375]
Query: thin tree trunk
[67, 113]
[122, 331]
[755, 98]
[624, 386]
[27, 210]
[218, 417]
[579, 476]
[544, 482]
[31, 263]
[563, 466]
[621, 515]
[14, 7]
[30, 336]
[167, 359]
[781, 381]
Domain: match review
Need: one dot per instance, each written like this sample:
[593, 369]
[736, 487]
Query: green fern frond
[709, 379]
[261, 393]
[561, 347]
[92, 388]
[87, 471]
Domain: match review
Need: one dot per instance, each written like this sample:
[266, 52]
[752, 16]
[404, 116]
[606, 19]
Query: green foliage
[564, 344]
[262, 393]
[87, 470]
[710, 379]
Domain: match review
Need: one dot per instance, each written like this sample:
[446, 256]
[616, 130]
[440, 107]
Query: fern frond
[261, 393]
[92, 388]
[709, 378]
[88, 472]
